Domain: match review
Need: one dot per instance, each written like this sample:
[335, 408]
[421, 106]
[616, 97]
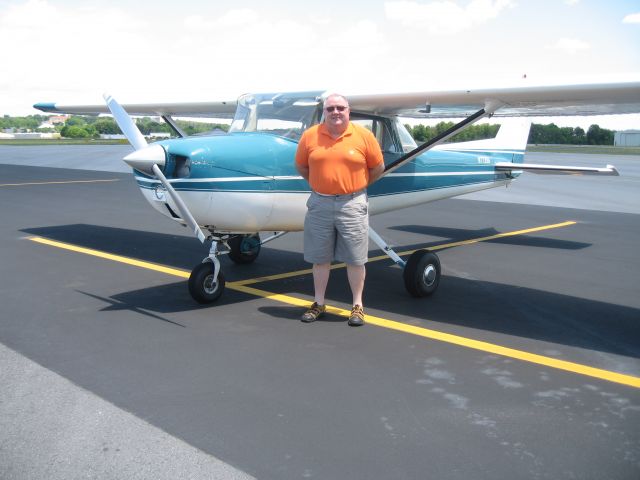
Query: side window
[364, 122]
[387, 144]
[381, 131]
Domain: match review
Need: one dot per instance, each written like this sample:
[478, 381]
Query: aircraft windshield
[283, 114]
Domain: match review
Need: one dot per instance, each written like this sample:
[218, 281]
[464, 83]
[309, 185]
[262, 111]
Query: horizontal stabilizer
[556, 169]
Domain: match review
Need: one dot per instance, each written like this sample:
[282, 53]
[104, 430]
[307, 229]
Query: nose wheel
[422, 273]
[204, 285]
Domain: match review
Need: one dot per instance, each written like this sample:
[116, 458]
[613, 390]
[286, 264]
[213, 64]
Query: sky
[72, 51]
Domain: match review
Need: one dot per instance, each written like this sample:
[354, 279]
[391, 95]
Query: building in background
[627, 138]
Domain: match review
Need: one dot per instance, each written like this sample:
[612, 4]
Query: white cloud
[239, 17]
[444, 17]
[66, 50]
[71, 52]
[232, 19]
[570, 45]
[571, 3]
[632, 18]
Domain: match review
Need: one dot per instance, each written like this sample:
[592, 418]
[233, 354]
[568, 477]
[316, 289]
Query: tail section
[511, 140]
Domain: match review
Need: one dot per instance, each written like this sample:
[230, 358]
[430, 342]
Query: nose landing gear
[206, 282]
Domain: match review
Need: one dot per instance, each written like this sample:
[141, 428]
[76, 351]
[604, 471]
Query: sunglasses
[339, 108]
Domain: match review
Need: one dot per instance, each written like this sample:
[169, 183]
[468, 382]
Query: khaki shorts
[336, 227]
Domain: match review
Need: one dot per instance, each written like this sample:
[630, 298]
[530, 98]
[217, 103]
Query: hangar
[627, 138]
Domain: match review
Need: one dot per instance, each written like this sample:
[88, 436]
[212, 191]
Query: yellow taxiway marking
[56, 182]
[241, 286]
[458, 340]
[409, 252]
[109, 256]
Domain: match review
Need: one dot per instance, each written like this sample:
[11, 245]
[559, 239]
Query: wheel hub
[209, 285]
[429, 275]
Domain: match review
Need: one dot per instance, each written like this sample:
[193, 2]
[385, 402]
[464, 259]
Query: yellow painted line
[241, 286]
[112, 257]
[57, 182]
[488, 238]
[307, 271]
[458, 340]
[280, 276]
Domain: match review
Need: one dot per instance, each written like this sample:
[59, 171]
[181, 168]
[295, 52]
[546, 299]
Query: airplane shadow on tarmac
[457, 234]
[511, 310]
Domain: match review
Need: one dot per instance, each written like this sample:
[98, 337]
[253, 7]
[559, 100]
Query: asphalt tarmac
[523, 365]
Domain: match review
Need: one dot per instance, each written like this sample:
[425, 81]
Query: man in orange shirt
[339, 159]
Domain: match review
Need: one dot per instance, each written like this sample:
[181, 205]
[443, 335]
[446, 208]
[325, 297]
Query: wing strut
[174, 126]
[439, 138]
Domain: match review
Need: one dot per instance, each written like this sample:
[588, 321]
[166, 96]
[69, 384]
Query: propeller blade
[125, 123]
[184, 211]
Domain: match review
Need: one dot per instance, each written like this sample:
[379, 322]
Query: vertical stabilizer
[512, 136]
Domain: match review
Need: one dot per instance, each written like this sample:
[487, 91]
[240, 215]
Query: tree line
[539, 134]
[82, 126]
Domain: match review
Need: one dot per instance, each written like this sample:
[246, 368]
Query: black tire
[244, 248]
[422, 273]
[201, 286]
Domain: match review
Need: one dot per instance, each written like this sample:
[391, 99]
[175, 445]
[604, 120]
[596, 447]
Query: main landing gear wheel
[201, 285]
[244, 248]
[422, 273]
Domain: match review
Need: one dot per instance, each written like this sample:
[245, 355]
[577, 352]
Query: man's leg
[321, 273]
[320, 279]
[356, 274]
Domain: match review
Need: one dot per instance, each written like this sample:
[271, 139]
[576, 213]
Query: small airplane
[227, 188]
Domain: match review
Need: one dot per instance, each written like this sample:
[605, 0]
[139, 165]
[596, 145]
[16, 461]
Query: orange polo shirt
[341, 165]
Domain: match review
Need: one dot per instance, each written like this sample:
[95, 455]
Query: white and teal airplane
[228, 188]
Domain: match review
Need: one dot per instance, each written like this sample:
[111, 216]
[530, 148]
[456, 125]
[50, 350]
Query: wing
[559, 100]
[575, 100]
[223, 109]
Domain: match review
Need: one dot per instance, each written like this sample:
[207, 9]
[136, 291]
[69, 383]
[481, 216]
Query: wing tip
[45, 107]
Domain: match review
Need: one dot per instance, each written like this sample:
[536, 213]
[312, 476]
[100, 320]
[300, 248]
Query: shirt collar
[347, 132]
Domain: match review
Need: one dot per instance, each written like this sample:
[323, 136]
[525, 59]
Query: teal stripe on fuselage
[391, 184]
[258, 162]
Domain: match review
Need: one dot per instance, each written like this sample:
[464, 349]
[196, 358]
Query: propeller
[125, 123]
[148, 159]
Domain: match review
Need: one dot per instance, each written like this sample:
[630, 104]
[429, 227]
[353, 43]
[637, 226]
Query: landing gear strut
[206, 283]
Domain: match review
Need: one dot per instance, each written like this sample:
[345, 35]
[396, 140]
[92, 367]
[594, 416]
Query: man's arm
[304, 171]
[375, 172]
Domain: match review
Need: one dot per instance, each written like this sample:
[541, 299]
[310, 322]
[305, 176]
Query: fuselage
[247, 182]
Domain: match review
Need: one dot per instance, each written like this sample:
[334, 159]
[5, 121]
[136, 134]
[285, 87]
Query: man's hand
[304, 171]
[375, 172]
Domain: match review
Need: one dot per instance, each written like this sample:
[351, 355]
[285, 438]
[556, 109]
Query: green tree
[75, 121]
[599, 136]
[74, 131]
[106, 126]
[579, 137]
[146, 125]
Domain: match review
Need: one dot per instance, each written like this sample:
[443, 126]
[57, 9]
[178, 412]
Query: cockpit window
[283, 114]
[406, 140]
[382, 129]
